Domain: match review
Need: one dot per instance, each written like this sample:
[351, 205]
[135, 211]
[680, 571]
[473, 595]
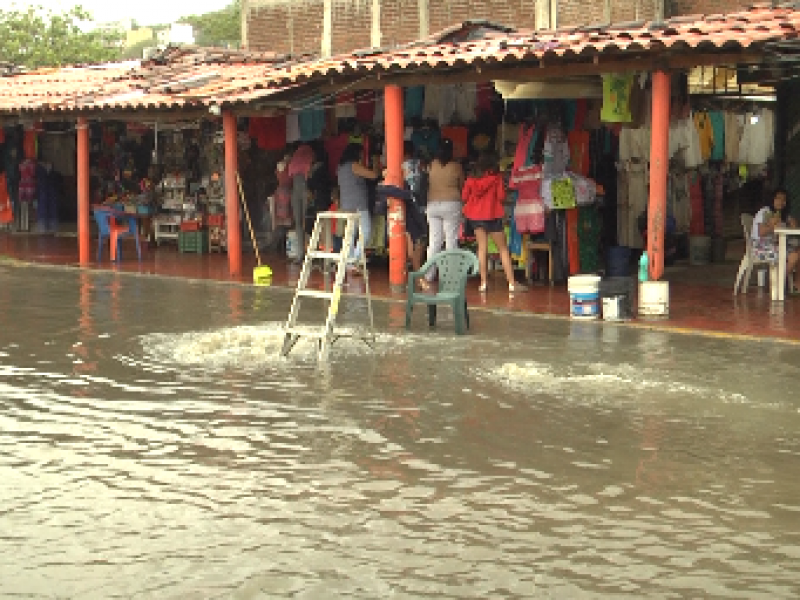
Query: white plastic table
[783, 233]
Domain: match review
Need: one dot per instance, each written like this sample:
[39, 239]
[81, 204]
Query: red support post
[659, 165]
[395, 214]
[232, 194]
[84, 243]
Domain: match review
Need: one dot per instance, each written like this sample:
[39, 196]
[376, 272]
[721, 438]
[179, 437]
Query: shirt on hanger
[345, 105]
[459, 135]
[616, 98]
[292, 127]
[413, 100]
[705, 134]
[717, 120]
[365, 106]
[734, 125]
[311, 120]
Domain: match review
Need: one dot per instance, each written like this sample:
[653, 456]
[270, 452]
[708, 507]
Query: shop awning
[513, 90]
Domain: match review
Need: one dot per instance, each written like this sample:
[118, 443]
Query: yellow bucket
[262, 275]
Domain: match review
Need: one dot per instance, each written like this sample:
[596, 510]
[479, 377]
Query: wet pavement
[153, 445]
[701, 297]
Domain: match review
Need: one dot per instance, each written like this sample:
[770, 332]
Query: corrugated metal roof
[192, 77]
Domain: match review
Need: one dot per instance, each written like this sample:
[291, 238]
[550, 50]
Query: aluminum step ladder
[325, 334]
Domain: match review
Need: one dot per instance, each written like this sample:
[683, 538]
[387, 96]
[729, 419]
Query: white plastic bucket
[654, 299]
[291, 244]
[584, 296]
[762, 278]
[614, 308]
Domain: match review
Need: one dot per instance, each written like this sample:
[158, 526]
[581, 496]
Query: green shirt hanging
[617, 98]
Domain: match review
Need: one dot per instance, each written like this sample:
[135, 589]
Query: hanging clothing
[459, 135]
[529, 209]
[440, 103]
[27, 181]
[563, 194]
[292, 127]
[634, 143]
[426, 142]
[555, 153]
[525, 139]
[573, 244]
[616, 98]
[301, 161]
[507, 133]
[465, 96]
[365, 106]
[413, 101]
[269, 132]
[697, 223]
[717, 120]
[681, 207]
[589, 227]
[311, 120]
[705, 134]
[579, 158]
[345, 105]
[283, 197]
[734, 127]
[756, 146]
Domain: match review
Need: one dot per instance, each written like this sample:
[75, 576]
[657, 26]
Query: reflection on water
[152, 444]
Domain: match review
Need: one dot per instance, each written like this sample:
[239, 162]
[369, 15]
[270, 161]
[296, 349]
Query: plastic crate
[217, 220]
[193, 241]
[194, 225]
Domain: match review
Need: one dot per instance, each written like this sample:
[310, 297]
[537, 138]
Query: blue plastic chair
[130, 228]
[109, 228]
[102, 216]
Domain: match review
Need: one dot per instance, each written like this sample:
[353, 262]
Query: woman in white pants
[445, 180]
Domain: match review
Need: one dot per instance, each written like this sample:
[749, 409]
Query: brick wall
[351, 25]
[399, 22]
[293, 26]
[296, 25]
[515, 13]
[705, 7]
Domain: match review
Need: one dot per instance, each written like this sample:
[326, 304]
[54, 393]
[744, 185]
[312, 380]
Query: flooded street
[153, 445]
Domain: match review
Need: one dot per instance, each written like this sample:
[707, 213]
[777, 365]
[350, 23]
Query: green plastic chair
[454, 267]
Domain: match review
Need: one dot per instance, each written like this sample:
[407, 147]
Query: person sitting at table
[763, 239]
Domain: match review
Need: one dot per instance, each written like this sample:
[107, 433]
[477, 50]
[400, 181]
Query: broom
[262, 274]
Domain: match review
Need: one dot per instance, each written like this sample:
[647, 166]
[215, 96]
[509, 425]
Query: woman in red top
[483, 196]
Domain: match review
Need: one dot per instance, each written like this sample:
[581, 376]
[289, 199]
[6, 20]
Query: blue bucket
[619, 261]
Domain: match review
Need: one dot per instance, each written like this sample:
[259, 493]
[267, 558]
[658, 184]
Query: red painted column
[232, 194]
[394, 176]
[659, 165]
[84, 244]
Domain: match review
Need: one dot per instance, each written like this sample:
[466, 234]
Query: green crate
[193, 241]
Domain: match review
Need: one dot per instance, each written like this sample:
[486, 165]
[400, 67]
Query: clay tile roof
[754, 27]
[187, 76]
[176, 77]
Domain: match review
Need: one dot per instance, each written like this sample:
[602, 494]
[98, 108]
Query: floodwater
[152, 445]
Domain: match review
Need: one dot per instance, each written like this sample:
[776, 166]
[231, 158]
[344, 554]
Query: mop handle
[247, 214]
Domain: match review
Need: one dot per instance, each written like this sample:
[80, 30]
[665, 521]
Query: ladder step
[306, 331]
[335, 214]
[315, 294]
[321, 254]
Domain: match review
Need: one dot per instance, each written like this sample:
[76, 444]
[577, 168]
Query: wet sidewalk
[701, 297]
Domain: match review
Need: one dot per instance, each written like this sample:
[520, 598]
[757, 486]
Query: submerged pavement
[153, 444]
[701, 298]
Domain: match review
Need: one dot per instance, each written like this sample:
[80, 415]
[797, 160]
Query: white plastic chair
[749, 261]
